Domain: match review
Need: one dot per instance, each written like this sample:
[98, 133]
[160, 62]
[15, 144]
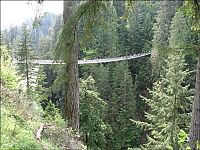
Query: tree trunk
[194, 134]
[72, 91]
[27, 71]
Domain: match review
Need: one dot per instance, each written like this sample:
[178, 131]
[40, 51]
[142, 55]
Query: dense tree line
[137, 103]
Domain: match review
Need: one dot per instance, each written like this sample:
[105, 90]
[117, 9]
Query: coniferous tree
[112, 83]
[25, 54]
[122, 107]
[165, 13]
[57, 24]
[140, 34]
[45, 47]
[179, 37]
[41, 91]
[5, 38]
[92, 115]
[168, 103]
[104, 44]
[179, 32]
[103, 81]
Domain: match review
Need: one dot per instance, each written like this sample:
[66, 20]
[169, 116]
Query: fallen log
[39, 132]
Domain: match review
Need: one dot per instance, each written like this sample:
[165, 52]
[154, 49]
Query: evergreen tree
[40, 92]
[165, 13]
[5, 38]
[57, 24]
[168, 103]
[104, 44]
[122, 107]
[101, 75]
[179, 32]
[25, 54]
[92, 115]
[45, 47]
[179, 37]
[140, 34]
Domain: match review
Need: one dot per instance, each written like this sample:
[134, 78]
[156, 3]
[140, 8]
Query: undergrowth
[22, 116]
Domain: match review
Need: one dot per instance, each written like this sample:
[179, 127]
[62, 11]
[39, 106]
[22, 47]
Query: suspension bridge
[91, 61]
[84, 61]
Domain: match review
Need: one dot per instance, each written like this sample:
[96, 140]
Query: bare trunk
[27, 73]
[72, 99]
[194, 134]
[27, 77]
[72, 91]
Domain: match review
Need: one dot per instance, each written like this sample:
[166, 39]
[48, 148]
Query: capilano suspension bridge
[80, 62]
[90, 61]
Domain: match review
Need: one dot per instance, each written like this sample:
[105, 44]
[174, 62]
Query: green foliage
[90, 10]
[179, 32]
[21, 117]
[24, 56]
[166, 11]
[107, 105]
[122, 107]
[17, 133]
[191, 9]
[40, 92]
[20, 120]
[182, 140]
[114, 81]
[8, 74]
[181, 37]
[14, 135]
[105, 37]
[140, 22]
[198, 144]
[160, 49]
[52, 114]
[45, 46]
[26, 144]
[92, 115]
[25, 47]
[169, 103]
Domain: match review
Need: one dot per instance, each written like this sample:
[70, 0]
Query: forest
[122, 75]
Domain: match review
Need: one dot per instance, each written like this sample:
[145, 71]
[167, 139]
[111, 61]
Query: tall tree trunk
[26, 63]
[72, 91]
[194, 134]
